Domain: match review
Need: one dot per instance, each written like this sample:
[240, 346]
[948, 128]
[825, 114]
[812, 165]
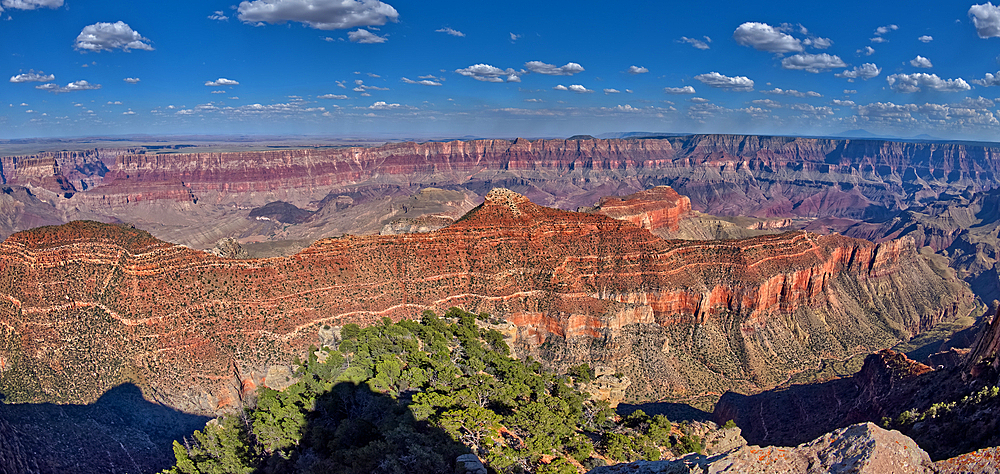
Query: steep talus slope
[721, 174]
[947, 411]
[87, 306]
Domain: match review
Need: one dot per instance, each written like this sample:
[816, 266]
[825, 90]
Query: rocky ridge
[681, 318]
[721, 174]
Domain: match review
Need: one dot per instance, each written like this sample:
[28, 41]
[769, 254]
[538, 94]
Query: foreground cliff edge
[87, 306]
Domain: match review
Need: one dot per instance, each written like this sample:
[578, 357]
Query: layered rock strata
[87, 306]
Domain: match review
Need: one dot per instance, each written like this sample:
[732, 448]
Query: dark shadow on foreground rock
[119, 433]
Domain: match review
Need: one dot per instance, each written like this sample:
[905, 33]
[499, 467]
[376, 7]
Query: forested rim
[413, 396]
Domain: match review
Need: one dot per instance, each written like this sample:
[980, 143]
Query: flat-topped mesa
[679, 318]
[653, 209]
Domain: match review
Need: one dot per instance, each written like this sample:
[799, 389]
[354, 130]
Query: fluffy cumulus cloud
[865, 71]
[487, 73]
[131, 80]
[542, 68]
[989, 80]
[33, 76]
[977, 103]
[986, 18]
[914, 83]
[637, 70]
[767, 103]
[925, 39]
[364, 36]
[318, 14]
[714, 79]
[812, 62]
[764, 37]
[423, 82]
[887, 110]
[71, 87]
[333, 96]
[222, 82]
[793, 92]
[921, 61]
[818, 43]
[679, 90]
[31, 4]
[885, 29]
[579, 89]
[380, 105]
[110, 36]
[697, 43]
[843, 103]
[611, 91]
[450, 31]
[867, 51]
[218, 15]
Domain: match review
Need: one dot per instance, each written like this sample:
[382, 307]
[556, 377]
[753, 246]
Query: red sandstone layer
[85, 305]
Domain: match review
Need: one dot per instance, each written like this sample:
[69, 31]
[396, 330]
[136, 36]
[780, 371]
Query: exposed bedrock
[87, 306]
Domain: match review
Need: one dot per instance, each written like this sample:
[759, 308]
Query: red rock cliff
[85, 306]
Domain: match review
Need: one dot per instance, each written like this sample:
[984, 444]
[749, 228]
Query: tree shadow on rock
[119, 433]
[354, 429]
[673, 411]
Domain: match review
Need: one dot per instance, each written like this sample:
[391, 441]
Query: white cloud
[552, 70]
[926, 38]
[71, 87]
[792, 92]
[364, 36]
[865, 71]
[611, 91]
[867, 51]
[222, 82]
[361, 87]
[450, 31]
[487, 73]
[812, 62]
[579, 89]
[131, 80]
[218, 92]
[887, 110]
[110, 36]
[699, 100]
[921, 61]
[318, 14]
[812, 110]
[986, 18]
[697, 43]
[988, 80]
[637, 70]
[425, 82]
[128, 112]
[977, 103]
[885, 29]
[218, 15]
[763, 37]
[380, 105]
[117, 102]
[31, 4]
[817, 42]
[514, 37]
[914, 82]
[843, 103]
[714, 79]
[679, 90]
[878, 39]
[333, 96]
[771, 104]
[32, 76]
[850, 91]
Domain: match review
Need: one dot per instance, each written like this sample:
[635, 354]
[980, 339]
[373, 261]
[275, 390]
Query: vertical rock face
[87, 306]
[654, 209]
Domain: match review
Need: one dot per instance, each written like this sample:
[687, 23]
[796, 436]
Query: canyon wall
[87, 306]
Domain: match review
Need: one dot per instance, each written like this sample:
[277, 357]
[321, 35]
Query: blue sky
[404, 68]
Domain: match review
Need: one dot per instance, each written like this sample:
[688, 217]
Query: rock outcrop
[653, 209]
[862, 448]
[87, 306]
